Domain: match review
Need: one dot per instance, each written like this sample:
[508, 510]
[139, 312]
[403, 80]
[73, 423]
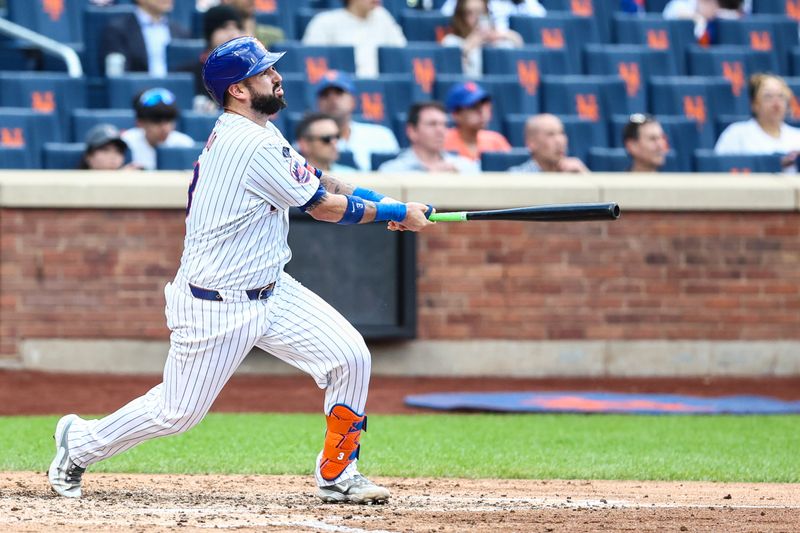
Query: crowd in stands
[461, 86]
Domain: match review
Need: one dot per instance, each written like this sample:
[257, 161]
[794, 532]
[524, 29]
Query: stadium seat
[122, 90]
[655, 6]
[527, 65]
[657, 33]
[377, 100]
[287, 12]
[49, 93]
[723, 121]
[425, 26]
[182, 52]
[196, 125]
[790, 8]
[559, 31]
[618, 160]
[584, 134]
[708, 161]
[514, 129]
[593, 98]
[682, 134]
[794, 103]
[635, 64]
[734, 63]
[85, 119]
[62, 156]
[399, 129]
[502, 161]
[59, 20]
[298, 92]
[13, 157]
[425, 61]
[178, 158]
[600, 10]
[379, 158]
[766, 33]
[94, 23]
[24, 128]
[314, 61]
[346, 158]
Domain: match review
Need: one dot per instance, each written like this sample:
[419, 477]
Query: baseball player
[231, 293]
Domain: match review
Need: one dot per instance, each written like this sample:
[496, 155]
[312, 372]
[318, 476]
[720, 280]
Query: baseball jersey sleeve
[280, 177]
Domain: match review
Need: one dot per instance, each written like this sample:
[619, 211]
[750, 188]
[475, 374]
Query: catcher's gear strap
[342, 441]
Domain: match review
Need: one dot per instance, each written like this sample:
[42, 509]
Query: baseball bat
[540, 213]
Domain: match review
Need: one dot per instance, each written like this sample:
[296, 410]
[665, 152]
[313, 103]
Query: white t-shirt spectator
[342, 28]
[500, 10]
[747, 138]
[145, 155]
[366, 139]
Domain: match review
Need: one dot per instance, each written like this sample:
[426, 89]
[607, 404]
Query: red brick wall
[100, 273]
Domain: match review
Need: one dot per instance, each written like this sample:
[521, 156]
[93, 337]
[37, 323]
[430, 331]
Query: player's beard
[267, 104]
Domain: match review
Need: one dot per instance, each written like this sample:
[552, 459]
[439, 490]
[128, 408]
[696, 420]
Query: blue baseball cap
[336, 78]
[463, 95]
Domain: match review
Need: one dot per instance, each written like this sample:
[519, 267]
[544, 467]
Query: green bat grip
[457, 216]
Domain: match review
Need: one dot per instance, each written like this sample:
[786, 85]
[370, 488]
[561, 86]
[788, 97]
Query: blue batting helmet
[233, 61]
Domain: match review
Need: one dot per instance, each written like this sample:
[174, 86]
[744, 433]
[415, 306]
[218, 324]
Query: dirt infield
[286, 503]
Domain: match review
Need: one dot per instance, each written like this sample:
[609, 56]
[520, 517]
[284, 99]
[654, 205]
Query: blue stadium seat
[178, 158]
[49, 93]
[21, 127]
[196, 125]
[346, 158]
[183, 13]
[600, 10]
[635, 64]
[593, 98]
[62, 156]
[94, 23]
[507, 95]
[655, 6]
[13, 157]
[766, 33]
[794, 103]
[425, 26]
[299, 94]
[502, 161]
[790, 8]
[378, 100]
[181, 52]
[723, 121]
[514, 129]
[708, 161]
[302, 18]
[399, 129]
[559, 31]
[618, 160]
[58, 20]
[583, 134]
[379, 158]
[656, 33]
[85, 119]
[287, 12]
[734, 63]
[682, 134]
[527, 65]
[425, 61]
[314, 61]
[122, 90]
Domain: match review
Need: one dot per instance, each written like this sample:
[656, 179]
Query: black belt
[261, 293]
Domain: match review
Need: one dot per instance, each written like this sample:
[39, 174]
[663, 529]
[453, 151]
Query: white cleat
[357, 489]
[64, 475]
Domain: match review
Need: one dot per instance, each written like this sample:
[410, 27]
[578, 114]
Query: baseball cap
[466, 94]
[336, 78]
[103, 134]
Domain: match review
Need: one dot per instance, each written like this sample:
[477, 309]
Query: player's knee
[359, 356]
[179, 420]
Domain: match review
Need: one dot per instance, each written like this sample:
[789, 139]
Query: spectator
[142, 37]
[471, 108]
[335, 98]
[426, 128]
[646, 143]
[317, 135]
[704, 13]
[767, 132]
[362, 24]
[220, 24]
[267, 34]
[501, 10]
[105, 150]
[156, 113]
[546, 141]
[472, 30]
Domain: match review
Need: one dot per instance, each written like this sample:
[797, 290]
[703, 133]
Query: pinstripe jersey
[237, 219]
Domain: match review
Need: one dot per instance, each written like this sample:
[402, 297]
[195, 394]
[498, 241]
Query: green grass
[718, 448]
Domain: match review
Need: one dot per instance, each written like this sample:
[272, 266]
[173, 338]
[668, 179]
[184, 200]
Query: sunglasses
[153, 97]
[327, 139]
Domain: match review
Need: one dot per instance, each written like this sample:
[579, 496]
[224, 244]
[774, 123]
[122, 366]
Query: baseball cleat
[357, 489]
[64, 475]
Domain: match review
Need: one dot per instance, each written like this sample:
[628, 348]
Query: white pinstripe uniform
[236, 230]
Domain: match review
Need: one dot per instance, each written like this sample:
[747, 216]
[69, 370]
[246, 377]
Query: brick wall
[78, 273]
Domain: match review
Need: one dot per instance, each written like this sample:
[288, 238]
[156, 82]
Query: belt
[261, 293]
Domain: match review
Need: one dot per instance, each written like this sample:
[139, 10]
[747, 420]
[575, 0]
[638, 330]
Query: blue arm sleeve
[368, 194]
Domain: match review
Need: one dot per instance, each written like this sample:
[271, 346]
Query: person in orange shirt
[471, 108]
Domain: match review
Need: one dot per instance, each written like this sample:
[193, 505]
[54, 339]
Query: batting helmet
[233, 61]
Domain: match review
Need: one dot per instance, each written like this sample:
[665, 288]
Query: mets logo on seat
[53, 8]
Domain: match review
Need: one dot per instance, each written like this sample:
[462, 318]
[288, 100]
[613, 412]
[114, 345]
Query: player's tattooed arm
[335, 185]
[332, 207]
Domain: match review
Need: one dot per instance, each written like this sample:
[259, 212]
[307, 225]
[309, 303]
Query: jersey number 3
[192, 185]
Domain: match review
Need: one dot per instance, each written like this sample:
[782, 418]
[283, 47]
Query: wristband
[368, 194]
[354, 211]
[395, 212]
